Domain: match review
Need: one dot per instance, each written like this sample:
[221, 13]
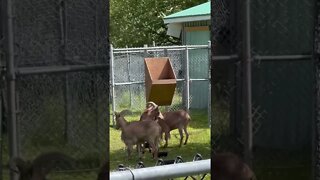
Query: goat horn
[154, 105]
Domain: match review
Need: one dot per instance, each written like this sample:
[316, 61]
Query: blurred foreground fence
[54, 62]
[263, 85]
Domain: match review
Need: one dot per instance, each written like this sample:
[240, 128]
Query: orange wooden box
[160, 80]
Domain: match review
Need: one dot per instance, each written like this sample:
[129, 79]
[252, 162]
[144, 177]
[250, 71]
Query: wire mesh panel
[282, 88]
[37, 33]
[226, 74]
[199, 69]
[74, 123]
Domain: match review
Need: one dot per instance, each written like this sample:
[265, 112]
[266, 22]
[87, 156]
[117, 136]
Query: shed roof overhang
[197, 13]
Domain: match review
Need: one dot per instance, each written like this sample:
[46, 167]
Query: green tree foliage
[134, 23]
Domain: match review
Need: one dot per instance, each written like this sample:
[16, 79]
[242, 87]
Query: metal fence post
[155, 53]
[128, 73]
[316, 112]
[145, 54]
[1, 123]
[165, 52]
[209, 83]
[66, 92]
[145, 51]
[247, 104]
[2, 112]
[187, 80]
[11, 82]
[113, 96]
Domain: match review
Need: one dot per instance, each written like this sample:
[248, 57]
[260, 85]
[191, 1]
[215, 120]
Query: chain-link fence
[57, 82]
[263, 84]
[192, 90]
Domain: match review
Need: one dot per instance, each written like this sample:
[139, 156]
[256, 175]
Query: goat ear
[160, 115]
[44, 163]
[157, 114]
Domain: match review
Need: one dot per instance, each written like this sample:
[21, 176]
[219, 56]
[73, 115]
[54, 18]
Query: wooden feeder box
[160, 80]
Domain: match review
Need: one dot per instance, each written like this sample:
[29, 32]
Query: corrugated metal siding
[197, 23]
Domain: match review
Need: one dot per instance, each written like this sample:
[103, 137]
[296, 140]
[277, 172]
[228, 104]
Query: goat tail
[188, 117]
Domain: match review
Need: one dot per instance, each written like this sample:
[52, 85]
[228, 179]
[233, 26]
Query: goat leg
[139, 150]
[181, 136]
[166, 136]
[154, 151]
[129, 150]
[187, 135]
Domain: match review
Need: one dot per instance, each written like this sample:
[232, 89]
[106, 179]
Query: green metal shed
[192, 26]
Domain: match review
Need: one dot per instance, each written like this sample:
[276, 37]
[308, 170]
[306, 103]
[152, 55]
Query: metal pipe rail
[59, 69]
[164, 171]
[282, 57]
[162, 47]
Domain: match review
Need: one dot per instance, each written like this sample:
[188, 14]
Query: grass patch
[199, 142]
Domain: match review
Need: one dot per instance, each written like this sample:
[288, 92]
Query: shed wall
[197, 33]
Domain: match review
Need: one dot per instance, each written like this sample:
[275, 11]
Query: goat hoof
[165, 146]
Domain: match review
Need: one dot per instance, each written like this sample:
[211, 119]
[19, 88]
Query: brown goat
[228, 166]
[138, 132]
[40, 167]
[168, 121]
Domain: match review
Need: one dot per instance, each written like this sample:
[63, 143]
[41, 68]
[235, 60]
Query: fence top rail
[162, 47]
[283, 57]
[164, 171]
[117, 51]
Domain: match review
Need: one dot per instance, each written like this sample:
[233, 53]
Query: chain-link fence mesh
[68, 116]
[37, 33]
[62, 82]
[226, 80]
[282, 84]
